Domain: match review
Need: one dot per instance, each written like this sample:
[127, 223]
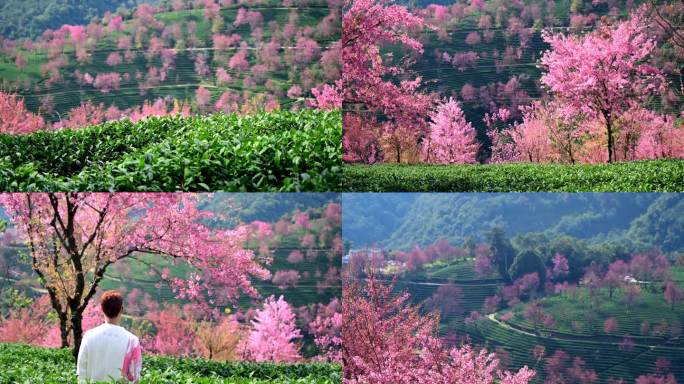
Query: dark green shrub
[26, 364]
[279, 151]
[638, 176]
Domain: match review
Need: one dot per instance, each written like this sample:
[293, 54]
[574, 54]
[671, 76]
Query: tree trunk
[77, 331]
[609, 128]
[63, 329]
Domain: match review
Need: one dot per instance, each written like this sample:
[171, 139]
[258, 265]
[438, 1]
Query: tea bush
[26, 364]
[278, 151]
[646, 176]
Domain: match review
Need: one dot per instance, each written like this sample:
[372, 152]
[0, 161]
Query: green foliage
[640, 176]
[248, 207]
[527, 261]
[663, 223]
[24, 364]
[585, 227]
[503, 252]
[279, 151]
[370, 219]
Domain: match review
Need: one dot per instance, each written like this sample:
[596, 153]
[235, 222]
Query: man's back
[109, 352]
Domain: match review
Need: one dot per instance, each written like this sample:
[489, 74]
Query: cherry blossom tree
[174, 334]
[615, 276]
[452, 139]
[631, 295]
[560, 266]
[468, 92]
[386, 340]
[84, 115]
[201, 66]
[107, 82]
[535, 314]
[295, 257]
[228, 102]
[305, 51]
[610, 325]
[366, 24]
[656, 379]
[672, 293]
[286, 278]
[243, 17]
[360, 140]
[604, 73]
[74, 238]
[20, 61]
[483, 264]
[15, 118]
[202, 97]
[274, 333]
[116, 24]
[447, 300]
[239, 61]
[47, 104]
[114, 59]
[326, 327]
[26, 325]
[222, 77]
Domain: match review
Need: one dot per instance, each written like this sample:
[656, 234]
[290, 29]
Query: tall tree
[452, 139]
[74, 238]
[15, 118]
[673, 294]
[604, 73]
[502, 250]
[525, 262]
[386, 340]
[274, 333]
[370, 80]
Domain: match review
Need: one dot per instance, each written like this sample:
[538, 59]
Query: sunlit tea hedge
[279, 151]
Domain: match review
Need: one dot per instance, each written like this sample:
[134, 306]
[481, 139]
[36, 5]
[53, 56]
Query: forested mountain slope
[455, 217]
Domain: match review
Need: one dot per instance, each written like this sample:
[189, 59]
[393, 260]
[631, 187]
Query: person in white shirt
[109, 352]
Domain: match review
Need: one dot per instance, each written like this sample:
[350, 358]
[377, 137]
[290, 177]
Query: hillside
[582, 288]
[200, 58]
[30, 18]
[429, 217]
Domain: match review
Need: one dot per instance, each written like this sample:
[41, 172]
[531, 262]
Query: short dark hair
[111, 303]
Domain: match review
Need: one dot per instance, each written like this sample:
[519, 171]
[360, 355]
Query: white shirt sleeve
[82, 363]
[132, 365]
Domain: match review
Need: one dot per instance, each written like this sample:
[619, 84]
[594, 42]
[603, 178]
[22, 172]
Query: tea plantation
[25, 364]
[637, 176]
[278, 151]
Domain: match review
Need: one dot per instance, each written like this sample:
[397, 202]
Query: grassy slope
[281, 151]
[599, 351]
[37, 365]
[182, 81]
[640, 176]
